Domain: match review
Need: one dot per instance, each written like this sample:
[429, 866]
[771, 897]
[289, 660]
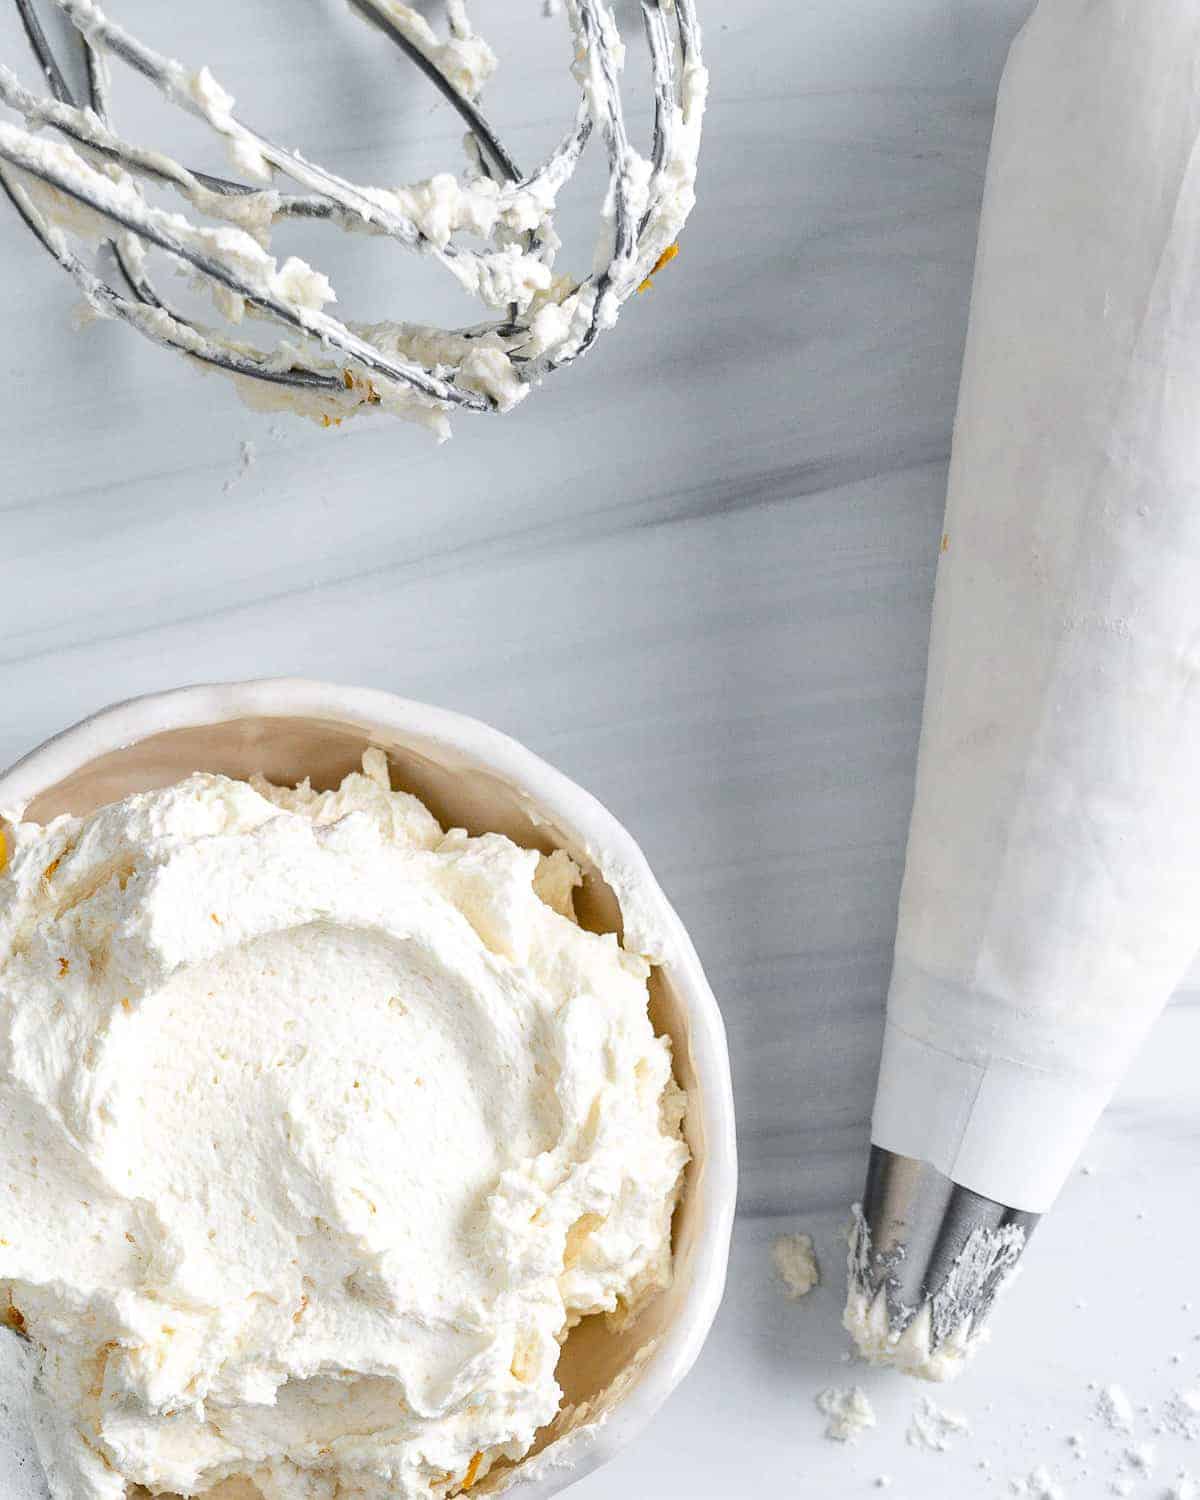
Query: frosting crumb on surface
[795, 1261]
[848, 1410]
[934, 1428]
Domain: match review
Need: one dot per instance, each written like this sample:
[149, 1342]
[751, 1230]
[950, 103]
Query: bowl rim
[622, 863]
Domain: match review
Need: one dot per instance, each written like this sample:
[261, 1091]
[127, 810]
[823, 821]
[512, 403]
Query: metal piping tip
[927, 1260]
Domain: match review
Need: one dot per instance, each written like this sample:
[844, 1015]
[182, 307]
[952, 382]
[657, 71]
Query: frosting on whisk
[90, 184]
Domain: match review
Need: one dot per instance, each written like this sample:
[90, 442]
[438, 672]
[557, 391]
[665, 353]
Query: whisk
[77, 182]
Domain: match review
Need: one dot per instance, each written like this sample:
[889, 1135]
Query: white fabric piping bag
[1051, 897]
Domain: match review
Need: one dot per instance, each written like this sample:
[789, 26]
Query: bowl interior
[599, 1363]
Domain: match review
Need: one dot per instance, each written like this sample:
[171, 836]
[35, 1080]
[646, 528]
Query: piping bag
[1051, 894]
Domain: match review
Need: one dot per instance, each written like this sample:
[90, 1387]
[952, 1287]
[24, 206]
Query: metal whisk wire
[547, 323]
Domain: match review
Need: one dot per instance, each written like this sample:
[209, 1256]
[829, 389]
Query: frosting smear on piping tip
[935, 1339]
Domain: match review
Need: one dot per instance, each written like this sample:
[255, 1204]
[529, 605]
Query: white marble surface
[695, 572]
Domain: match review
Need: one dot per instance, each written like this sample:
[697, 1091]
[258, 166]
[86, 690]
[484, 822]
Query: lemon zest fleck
[664, 259]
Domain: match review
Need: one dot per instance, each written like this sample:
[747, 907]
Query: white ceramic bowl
[471, 776]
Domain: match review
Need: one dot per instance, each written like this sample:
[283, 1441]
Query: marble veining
[694, 572]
